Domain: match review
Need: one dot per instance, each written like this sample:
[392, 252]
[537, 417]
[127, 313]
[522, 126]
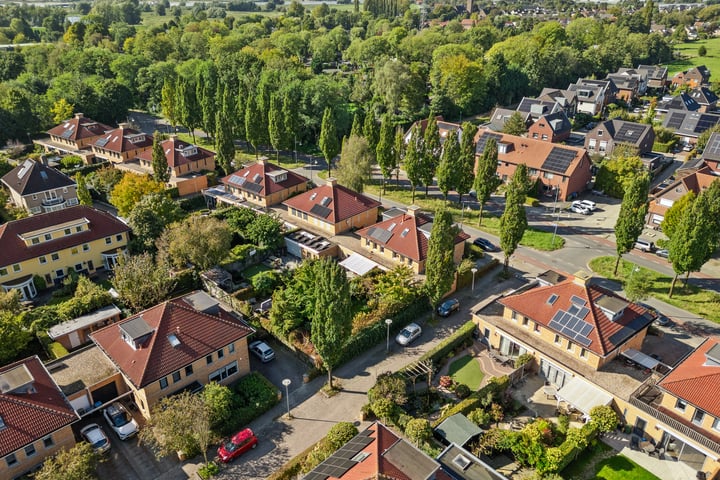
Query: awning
[640, 358]
[583, 395]
[358, 264]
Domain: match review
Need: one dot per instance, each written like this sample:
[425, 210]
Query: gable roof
[622, 131]
[501, 115]
[34, 177]
[406, 234]
[536, 154]
[14, 250]
[558, 122]
[561, 97]
[331, 203]
[123, 139]
[199, 334]
[458, 429]
[654, 71]
[681, 102]
[696, 182]
[30, 416]
[536, 107]
[260, 179]
[178, 152]
[712, 148]
[79, 127]
[575, 310]
[703, 95]
[689, 124]
[696, 376]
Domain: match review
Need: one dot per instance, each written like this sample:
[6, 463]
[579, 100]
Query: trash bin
[306, 378]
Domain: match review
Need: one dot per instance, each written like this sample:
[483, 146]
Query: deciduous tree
[13, 334]
[151, 215]
[449, 168]
[418, 430]
[465, 174]
[384, 152]
[141, 282]
[631, 218]
[77, 463]
[431, 151]
[332, 315]
[265, 231]
[224, 145]
[169, 102]
[355, 166]
[276, 126]
[486, 178]
[371, 130]
[130, 190]
[253, 129]
[515, 125]
[513, 221]
[199, 240]
[82, 191]
[61, 110]
[440, 264]
[328, 142]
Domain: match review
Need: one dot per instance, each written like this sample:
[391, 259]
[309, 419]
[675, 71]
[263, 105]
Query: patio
[489, 367]
[666, 467]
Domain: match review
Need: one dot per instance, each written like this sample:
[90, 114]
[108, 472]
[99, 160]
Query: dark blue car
[448, 307]
[485, 244]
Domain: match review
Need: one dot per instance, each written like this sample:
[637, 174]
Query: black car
[485, 244]
[448, 307]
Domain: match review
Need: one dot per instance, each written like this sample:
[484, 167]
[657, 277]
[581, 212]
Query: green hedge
[663, 147]
[193, 203]
[442, 349]
[254, 395]
[568, 451]
[464, 279]
[474, 401]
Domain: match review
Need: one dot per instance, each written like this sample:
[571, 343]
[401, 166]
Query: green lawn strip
[691, 298]
[250, 272]
[584, 467]
[691, 58]
[620, 467]
[466, 370]
[532, 238]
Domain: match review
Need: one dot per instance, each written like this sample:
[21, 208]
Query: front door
[639, 428]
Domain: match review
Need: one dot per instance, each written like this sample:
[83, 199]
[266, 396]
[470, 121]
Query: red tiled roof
[413, 244]
[124, 139]
[605, 336]
[31, 416]
[257, 173]
[14, 250]
[343, 203]
[199, 333]
[173, 149]
[77, 128]
[692, 380]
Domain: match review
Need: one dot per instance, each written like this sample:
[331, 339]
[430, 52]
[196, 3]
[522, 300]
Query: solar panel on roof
[705, 122]
[325, 201]
[676, 120]
[713, 147]
[320, 211]
[101, 142]
[584, 341]
[558, 160]
[380, 234]
[577, 300]
[628, 133]
[568, 332]
[583, 312]
[482, 141]
[236, 179]
[573, 309]
[586, 328]
[253, 187]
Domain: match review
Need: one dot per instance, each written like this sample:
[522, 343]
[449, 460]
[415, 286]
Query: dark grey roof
[654, 71]
[136, 328]
[499, 117]
[690, 124]
[33, 177]
[559, 160]
[337, 464]
[462, 465]
[320, 210]
[682, 102]
[411, 461]
[482, 141]
[458, 429]
[558, 121]
[551, 277]
[712, 148]
[704, 96]
[536, 107]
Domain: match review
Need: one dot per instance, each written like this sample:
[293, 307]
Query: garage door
[105, 394]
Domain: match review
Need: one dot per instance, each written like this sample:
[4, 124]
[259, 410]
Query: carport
[583, 395]
[640, 358]
[359, 265]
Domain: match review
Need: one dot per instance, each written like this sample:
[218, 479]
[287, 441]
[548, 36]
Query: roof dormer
[712, 356]
[188, 151]
[612, 307]
[504, 147]
[278, 176]
[136, 332]
[17, 380]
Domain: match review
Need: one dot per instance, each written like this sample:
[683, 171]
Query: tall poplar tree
[328, 138]
[169, 101]
[384, 151]
[398, 152]
[371, 130]
[465, 175]
[448, 169]
[291, 119]
[331, 323]
[413, 159]
[208, 96]
[513, 221]
[440, 265]
[486, 179]
[631, 218]
[161, 170]
[252, 124]
[190, 114]
[224, 145]
[276, 124]
[357, 127]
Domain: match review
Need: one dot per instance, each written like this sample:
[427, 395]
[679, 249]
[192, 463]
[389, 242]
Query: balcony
[51, 202]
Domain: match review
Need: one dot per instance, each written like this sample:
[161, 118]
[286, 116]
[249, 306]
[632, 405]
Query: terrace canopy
[583, 395]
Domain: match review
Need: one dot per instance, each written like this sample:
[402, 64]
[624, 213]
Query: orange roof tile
[331, 203]
[178, 152]
[124, 139]
[79, 127]
[257, 178]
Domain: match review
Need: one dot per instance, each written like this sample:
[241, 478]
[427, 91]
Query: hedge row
[663, 147]
[568, 451]
[464, 278]
[474, 401]
[442, 349]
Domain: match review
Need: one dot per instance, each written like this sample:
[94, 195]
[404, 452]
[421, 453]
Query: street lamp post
[286, 382]
[474, 271]
[388, 322]
[557, 219]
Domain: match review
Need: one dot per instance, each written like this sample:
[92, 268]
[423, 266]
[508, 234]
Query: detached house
[705, 98]
[35, 418]
[121, 144]
[689, 125]
[563, 171]
[37, 188]
[607, 135]
[567, 99]
[656, 76]
[694, 77]
[695, 182]
[48, 245]
[264, 184]
[75, 134]
[332, 208]
[551, 127]
[181, 344]
[593, 95]
[403, 239]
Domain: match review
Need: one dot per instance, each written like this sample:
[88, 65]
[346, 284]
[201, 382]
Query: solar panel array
[559, 160]
[713, 147]
[342, 460]
[571, 323]
[101, 142]
[237, 179]
[676, 120]
[705, 122]
[380, 234]
[253, 187]
[320, 211]
[68, 133]
[629, 133]
[482, 141]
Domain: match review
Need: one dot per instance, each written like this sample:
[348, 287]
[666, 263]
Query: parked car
[120, 421]
[644, 245]
[577, 207]
[408, 334]
[95, 436]
[485, 244]
[236, 445]
[448, 306]
[262, 350]
[661, 319]
[589, 204]
[663, 252]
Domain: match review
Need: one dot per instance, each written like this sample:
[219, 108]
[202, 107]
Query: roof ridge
[153, 337]
[593, 307]
[36, 406]
[691, 379]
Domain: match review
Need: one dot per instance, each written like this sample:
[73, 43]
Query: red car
[238, 444]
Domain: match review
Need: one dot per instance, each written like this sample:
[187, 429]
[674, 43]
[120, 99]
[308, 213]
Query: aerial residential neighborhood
[352, 240]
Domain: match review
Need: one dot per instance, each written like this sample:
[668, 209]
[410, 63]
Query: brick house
[693, 77]
[608, 134]
[77, 133]
[593, 95]
[37, 188]
[661, 202]
[332, 208]
[552, 127]
[705, 98]
[181, 344]
[121, 144]
[264, 184]
[656, 76]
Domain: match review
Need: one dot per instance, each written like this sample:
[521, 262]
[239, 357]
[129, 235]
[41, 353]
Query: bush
[71, 161]
[442, 349]
[254, 395]
[462, 391]
[495, 386]
[40, 283]
[209, 470]
[192, 203]
[57, 350]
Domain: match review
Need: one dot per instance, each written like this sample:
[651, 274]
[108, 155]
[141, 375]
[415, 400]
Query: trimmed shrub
[495, 386]
[462, 391]
[254, 395]
[442, 349]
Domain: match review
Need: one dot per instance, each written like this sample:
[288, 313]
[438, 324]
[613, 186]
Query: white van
[644, 245]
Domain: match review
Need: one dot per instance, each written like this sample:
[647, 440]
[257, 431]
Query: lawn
[250, 272]
[533, 238]
[690, 57]
[621, 468]
[693, 299]
[584, 467]
[466, 370]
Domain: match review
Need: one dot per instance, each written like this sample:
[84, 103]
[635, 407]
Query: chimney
[412, 210]
[123, 125]
[173, 137]
[331, 181]
[261, 161]
[79, 115]
[582, 277]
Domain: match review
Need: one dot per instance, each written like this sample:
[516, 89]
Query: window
[176, 376]
[60, 273]
[55, 257]
[221, 353]
[3, 271]
[536, 328]
[86, 247]
[716, 424]
[119, 237]
[74, 250]
[535, 135]
[34, 197]
[570, 346]
[231, 348]
[42, 259]
[30, 450]
[16, 267]
[208, 359]
[525, 322]
[78, 229]
[188, 370]
[78, 267]
[48, 236]
[680, 405]
[108, 240]
[544, 137]
[600, 133]
[163, 383]
[48, 441]
[583, 353]
[514, 316]
[557, 339]
[67, 231]
[11, 460]
[698, 417]
[35, 240]
[224, 372]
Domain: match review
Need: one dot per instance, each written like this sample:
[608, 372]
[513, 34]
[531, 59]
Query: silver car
[120, 421]
[95, 436]
[408, 334]
[262, 350]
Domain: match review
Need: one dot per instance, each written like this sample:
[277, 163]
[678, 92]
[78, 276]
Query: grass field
[622, 468]
[698, 301]
[691, 58]
[466, 370]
